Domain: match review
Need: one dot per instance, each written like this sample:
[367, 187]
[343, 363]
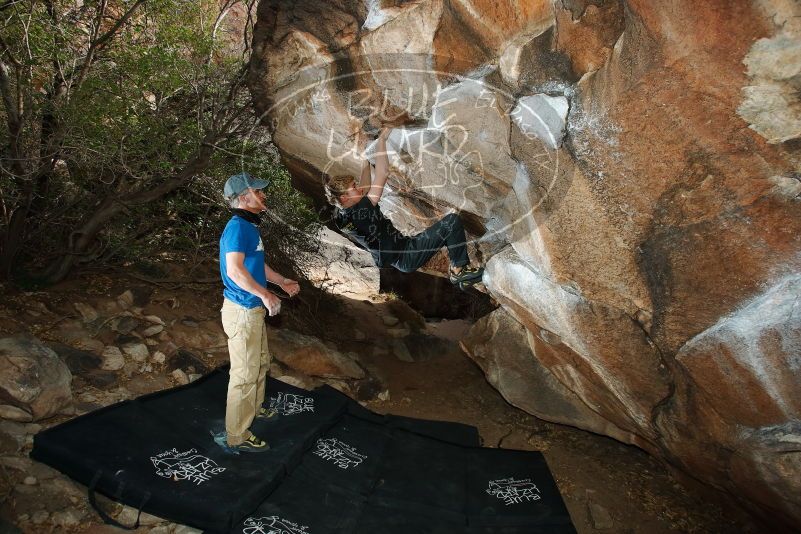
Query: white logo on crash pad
[187, 465]
[272, 525]
[291, 404]
[512, 491]
[341, 454]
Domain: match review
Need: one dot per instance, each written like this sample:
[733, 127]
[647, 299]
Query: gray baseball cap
[239, 183]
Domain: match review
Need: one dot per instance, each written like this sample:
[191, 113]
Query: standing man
[245, 275]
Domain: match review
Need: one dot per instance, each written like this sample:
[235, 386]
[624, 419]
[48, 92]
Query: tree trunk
[111, 206]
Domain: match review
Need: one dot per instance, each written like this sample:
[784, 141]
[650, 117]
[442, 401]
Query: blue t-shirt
[241, 236]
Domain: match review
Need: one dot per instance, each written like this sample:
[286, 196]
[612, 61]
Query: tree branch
[101, 42]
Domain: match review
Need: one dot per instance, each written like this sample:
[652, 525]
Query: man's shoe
[252, 444]
[466, 275]
[266, 413]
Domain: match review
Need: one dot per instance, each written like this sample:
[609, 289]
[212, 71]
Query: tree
[112, 109]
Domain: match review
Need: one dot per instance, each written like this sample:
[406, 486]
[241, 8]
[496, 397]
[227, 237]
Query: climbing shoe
[468, 275]
[266, 413]
[252, 444]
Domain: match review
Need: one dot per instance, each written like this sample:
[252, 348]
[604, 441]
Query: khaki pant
[250, 361]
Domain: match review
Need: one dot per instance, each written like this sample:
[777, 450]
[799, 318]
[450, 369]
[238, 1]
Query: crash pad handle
[103, 515]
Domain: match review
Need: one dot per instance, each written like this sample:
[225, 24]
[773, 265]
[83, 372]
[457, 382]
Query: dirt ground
[607, 486]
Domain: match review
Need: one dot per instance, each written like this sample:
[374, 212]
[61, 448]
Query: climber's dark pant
[447, 232]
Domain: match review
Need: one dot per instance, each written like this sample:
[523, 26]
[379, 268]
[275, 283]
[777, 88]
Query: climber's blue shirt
[241, 236]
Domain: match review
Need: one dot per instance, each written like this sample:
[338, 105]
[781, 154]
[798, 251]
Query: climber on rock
[359, 216]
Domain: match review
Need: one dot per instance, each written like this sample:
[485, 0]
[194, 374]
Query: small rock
[40, 516]
[153, 330]
[384, 395]
[390, 320]
[127, 516]
[30, 481]
[154, 319]
[100, 379]
[184, 359]
[398, 332]
[23, 518]
[401, 351]
[137, 351]
[89, 344]
[180, 377]
[125, 300]
[194, 376]
[13, 413]
[146, 368]
[67, 518]
[78, 361]
[158, 357]
[113, 360]
[190, 323]
[88, 313]
[150, 342]
[124, 324]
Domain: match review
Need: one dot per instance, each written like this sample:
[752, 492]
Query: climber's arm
[364, 179]
[381, 168]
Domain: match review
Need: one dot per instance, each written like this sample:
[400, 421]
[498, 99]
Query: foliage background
[122, 121]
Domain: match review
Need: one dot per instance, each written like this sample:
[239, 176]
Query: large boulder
[506, 351]
[342, 268]
[310, 356]
[34, 382]
[628, 171]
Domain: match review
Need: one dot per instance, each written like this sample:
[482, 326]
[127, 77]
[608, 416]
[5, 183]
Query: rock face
[34, 382]
[343, 268]
[630, 173]
[310, 356]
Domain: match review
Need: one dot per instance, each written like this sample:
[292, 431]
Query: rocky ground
[121, 336]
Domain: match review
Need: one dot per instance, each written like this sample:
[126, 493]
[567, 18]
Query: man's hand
[290, 286]
[272, 303]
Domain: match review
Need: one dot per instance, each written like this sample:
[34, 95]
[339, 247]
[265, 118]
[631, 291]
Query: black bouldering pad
[365, 476]
[159, 450]
[333, 467]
